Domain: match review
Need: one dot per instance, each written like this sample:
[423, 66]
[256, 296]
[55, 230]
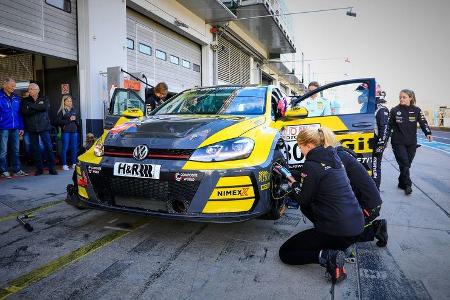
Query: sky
[402, 43]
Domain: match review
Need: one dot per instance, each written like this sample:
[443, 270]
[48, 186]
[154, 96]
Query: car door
[350, 115]
[122, 100]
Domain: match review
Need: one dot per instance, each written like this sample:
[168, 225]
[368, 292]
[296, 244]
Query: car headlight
[99, 149]
[238, 148]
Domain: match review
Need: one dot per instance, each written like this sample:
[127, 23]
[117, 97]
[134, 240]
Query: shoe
[381, 232]
[5, 175]
[333, 261]
[52, 172]
[73, 166]
[400, 186]
[20, 173]
[65, 168]
[408, 190]
[38, 172]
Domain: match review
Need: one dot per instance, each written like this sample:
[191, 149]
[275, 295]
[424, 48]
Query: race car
[208, 154]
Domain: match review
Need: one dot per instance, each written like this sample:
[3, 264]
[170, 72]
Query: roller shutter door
[234, 64]
[162, 54]
[36, 26]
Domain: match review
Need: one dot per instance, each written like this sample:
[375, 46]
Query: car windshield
[217, 101]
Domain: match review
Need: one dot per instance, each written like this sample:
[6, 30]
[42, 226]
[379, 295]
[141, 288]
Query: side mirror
[296, 112]
[133, 113]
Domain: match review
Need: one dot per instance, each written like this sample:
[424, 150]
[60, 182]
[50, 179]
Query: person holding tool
[403, 123]
[327, 199]
[365, 190]
[381, 135]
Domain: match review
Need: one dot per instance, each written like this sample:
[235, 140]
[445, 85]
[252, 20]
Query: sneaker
[52, 172]
[73, 166]
[5, 175]
[66, 168]
[20, 173]
[38, 172]
[381, 232]
[408, 190]
[334, 261]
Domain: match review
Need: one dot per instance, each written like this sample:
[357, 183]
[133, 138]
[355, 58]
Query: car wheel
[277, 194]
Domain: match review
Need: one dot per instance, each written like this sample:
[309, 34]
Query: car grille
[144, 191]
[152, 153]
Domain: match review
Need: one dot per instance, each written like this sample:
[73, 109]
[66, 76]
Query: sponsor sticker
[94, 169]
[240, 192]
[265, 186]
[186, 176]
[263, 176]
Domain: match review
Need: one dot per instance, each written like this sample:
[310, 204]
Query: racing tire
[277, 196]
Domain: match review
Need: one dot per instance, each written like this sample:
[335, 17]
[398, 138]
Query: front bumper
[220, 196]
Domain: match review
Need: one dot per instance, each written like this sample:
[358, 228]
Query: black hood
[177, 132]
[327, 156]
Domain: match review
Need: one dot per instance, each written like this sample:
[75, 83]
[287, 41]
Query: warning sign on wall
[65, 88]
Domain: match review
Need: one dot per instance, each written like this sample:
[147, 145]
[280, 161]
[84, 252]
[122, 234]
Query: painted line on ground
[16, 285]
[30, 211]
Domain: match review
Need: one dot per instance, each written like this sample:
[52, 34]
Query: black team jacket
[403, 123]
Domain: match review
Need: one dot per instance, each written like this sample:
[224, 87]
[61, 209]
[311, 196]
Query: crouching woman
[327, 199]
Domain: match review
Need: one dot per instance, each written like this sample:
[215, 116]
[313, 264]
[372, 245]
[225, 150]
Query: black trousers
[304, 247]
[376, 167]
[46, 140]
[404, 154]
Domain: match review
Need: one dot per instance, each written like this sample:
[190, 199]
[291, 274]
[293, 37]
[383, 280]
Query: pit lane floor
[82, 254]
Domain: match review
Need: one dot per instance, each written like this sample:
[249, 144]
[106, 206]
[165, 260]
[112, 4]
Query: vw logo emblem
[140, 152]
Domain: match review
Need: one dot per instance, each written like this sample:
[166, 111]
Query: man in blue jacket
[11, 127]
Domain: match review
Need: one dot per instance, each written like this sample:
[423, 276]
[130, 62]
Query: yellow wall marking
[22, 282]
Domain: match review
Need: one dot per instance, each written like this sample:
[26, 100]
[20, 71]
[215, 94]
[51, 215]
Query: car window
[339, 100]
[124, 100]
[217, 101]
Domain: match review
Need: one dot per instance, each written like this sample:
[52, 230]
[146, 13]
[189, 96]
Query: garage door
[234, 64]
[162, 54]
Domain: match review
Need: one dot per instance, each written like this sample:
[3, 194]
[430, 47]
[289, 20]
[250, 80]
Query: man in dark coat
[35, 111]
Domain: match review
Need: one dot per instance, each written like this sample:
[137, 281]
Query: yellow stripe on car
[82, 192]
[228, 206]
[234, 181]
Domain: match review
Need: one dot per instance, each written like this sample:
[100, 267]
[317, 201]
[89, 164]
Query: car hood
[178, 132]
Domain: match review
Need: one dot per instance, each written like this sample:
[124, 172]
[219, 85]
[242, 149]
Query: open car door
[125, 103]
[346, 107]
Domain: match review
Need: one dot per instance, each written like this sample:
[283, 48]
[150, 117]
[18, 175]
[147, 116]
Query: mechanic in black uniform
[365, 191]
[154, 97]
[403, 123]
[381, 135]
[327, 199]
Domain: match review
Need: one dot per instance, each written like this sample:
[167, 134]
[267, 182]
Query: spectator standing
[11, 127]
[67, 119]
[155, 97]
[37, 123]
[316, 105]
[403, 122]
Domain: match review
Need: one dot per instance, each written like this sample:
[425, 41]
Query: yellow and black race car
[207, 154]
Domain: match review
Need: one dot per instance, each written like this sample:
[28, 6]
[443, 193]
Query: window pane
[145, 49]
[186, 64]
[174, 60]
[196, 67]
[340, 100]
[64, 5]
[160, 54]
[124, 100]
[130, 44]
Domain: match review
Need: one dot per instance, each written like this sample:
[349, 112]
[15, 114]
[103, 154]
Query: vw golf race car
[207, 154]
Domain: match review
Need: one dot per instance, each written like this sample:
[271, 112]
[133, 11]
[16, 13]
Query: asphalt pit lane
[124, 225]
[54, 221]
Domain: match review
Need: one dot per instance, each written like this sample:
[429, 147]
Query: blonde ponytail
[318, 137]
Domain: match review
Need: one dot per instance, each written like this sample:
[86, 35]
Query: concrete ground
[92, 254]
